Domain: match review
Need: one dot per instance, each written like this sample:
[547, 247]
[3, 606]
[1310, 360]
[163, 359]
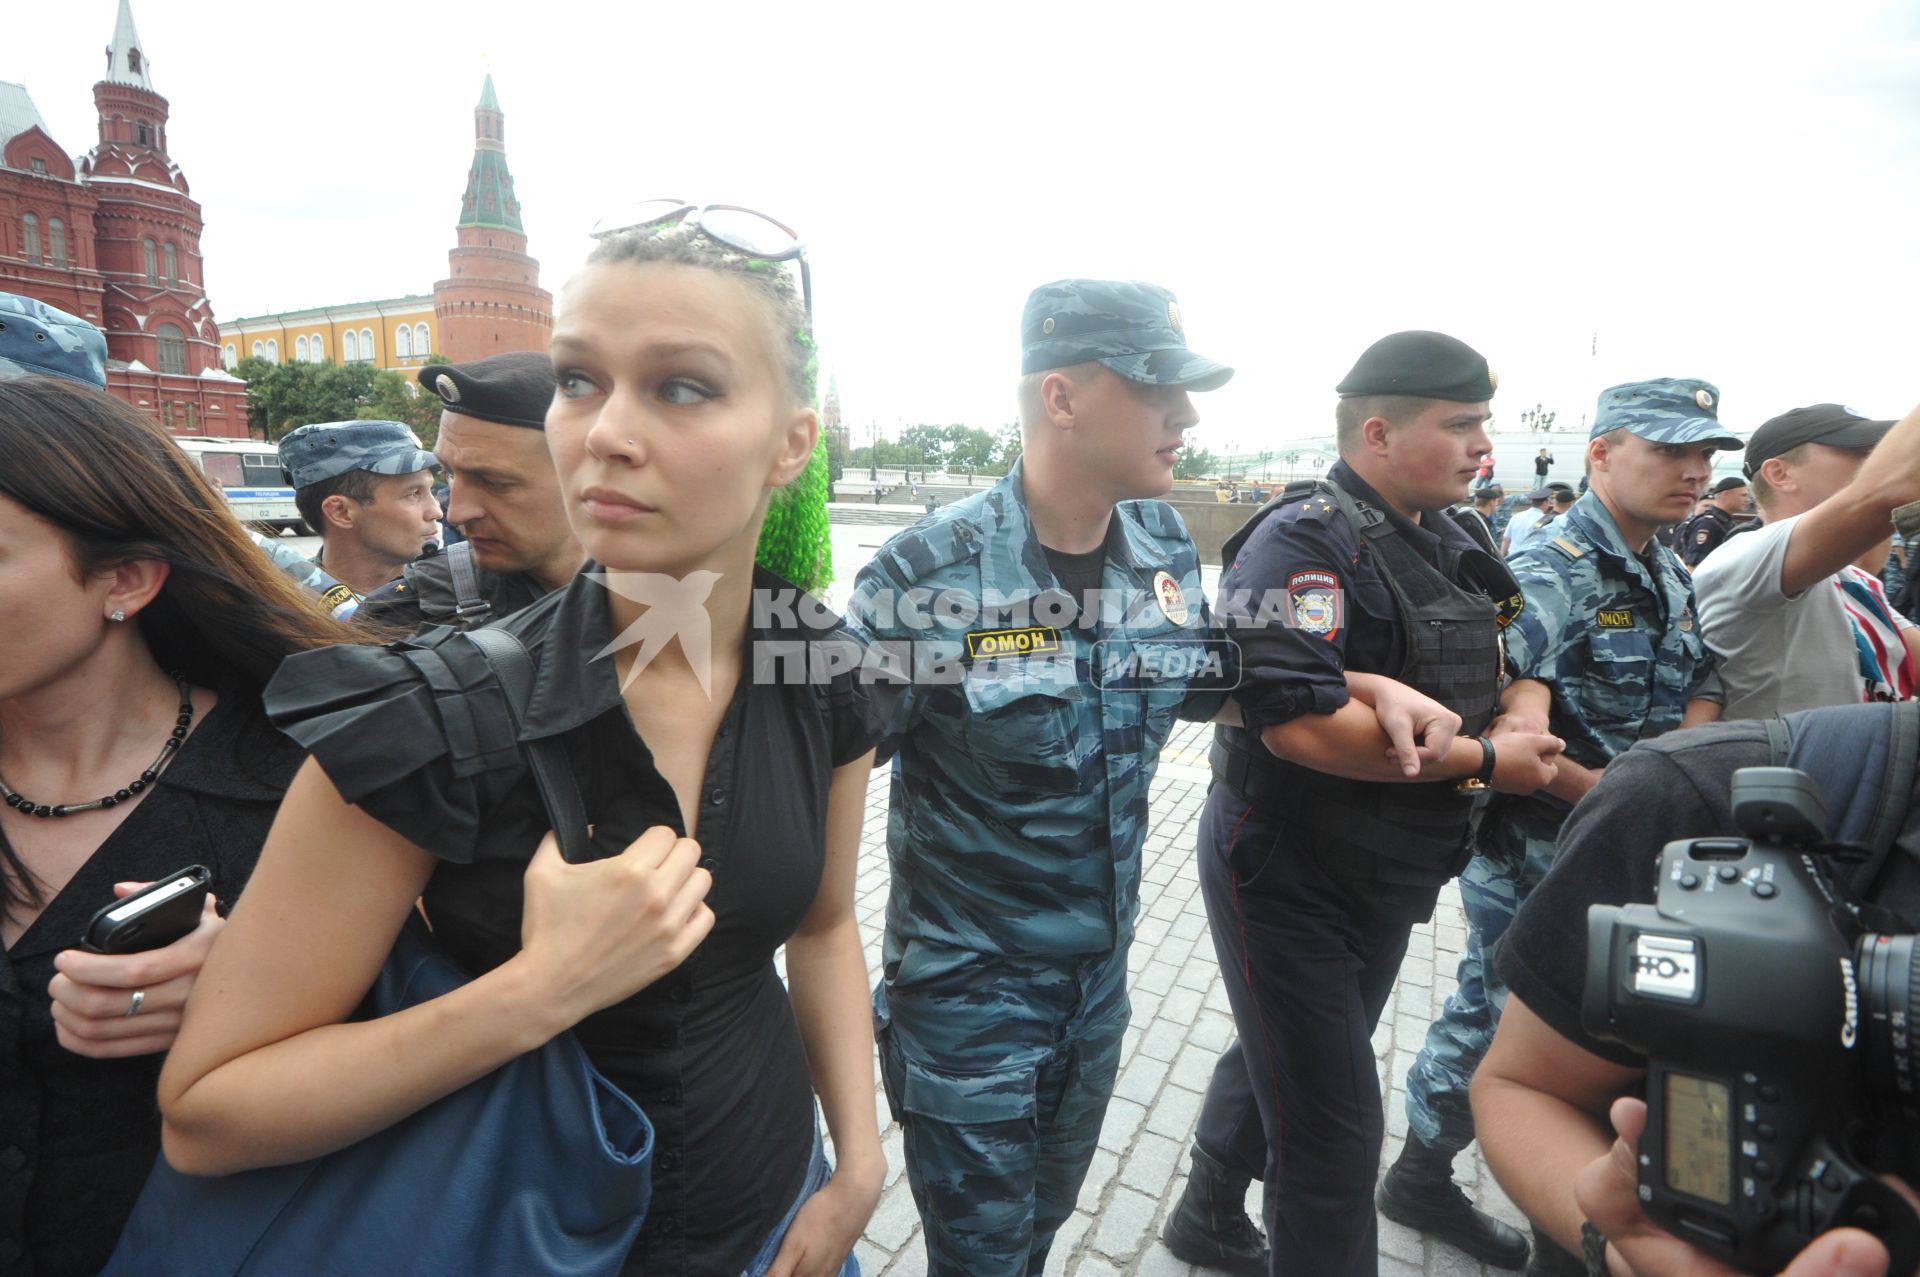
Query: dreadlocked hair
[794, 541]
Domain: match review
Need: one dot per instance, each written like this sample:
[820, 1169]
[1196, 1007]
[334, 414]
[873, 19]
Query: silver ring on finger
[134, 1003]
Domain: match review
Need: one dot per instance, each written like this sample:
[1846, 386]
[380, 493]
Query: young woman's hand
[95, 1010]
[823, 1233]
[597, 933]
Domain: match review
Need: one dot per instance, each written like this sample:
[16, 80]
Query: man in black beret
[505, 499]
[1318, 851]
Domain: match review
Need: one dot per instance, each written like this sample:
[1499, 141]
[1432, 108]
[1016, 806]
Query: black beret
[512, 389]
[1422, 365]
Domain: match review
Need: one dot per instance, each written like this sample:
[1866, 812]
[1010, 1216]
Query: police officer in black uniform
[1707, 531]
[1318, 854]
[504, 494]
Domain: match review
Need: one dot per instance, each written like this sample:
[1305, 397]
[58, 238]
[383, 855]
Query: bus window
[223, 468]
[262, 470]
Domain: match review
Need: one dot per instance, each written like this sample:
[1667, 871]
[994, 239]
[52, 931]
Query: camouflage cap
[1421, 365]
[1665, 410]
[1132, 327]
[39, 340]
[512, 389]
[313, 454]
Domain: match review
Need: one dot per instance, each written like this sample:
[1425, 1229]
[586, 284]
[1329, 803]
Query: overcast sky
[1726, 191]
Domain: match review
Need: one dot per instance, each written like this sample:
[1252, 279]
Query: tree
[281, 397]
[969, 448]
[1007, 446]
[1195, 462]
[398, 396]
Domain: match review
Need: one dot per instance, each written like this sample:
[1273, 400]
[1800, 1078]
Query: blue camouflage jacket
[1615, 638]
[1024, 749]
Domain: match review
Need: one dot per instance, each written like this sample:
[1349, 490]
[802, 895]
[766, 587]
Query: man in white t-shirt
[1523, 525]
[1794, 619]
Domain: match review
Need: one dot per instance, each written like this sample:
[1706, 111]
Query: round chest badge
[1171, 598]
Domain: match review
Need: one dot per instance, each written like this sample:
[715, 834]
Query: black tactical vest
[1409, 835]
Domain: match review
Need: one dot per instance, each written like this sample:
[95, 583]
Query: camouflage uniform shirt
[1614, 635]
[1020, 787]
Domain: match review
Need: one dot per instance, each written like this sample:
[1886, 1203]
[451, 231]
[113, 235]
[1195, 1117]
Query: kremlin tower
[493, 302]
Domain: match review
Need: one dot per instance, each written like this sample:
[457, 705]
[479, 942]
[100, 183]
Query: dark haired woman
[681, 420]
[137, 627]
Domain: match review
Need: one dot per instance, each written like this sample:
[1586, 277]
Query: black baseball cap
[1835, 425]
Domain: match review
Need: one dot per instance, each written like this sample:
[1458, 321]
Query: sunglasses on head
[751, 232]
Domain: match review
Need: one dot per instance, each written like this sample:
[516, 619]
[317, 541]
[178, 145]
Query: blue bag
[541, 1167]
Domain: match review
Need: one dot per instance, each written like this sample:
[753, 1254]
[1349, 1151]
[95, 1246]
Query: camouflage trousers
[1515, 852]
[1000, 1082]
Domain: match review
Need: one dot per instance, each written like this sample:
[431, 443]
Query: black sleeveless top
[418, 736]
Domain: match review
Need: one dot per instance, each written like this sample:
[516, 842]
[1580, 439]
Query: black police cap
[512, 389]
[1422, 365]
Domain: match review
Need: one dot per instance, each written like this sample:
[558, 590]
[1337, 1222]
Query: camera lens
[1889, 1014]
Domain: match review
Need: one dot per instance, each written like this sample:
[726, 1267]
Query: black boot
[1210, 1227]
[1549, 1259]
[1419, 1191]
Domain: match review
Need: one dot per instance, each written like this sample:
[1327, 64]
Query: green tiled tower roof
[490, 200]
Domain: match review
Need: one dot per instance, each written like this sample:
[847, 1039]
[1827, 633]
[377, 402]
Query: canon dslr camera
[1777, 1025]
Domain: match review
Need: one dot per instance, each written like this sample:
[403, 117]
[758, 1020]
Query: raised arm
[827, 979]
[1859, 517]
[319, 916]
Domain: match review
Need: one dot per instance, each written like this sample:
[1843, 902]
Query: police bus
[248, 474]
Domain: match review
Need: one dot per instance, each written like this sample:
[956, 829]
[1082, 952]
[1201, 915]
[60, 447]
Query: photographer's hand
[1637, 1247]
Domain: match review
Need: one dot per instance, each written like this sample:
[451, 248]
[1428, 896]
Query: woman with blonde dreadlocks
[726, 805]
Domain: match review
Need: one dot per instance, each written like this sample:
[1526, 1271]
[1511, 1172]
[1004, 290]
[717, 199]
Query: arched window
[57, 241]
[422, 343]
[153, 260]
[173, 349]
[300, 349]
[259, 350]
[30, 237]
[142, 134]
[318, 345]
[228, 356]
[366, 344]
[273, 349]
[173, 267]
[403, 342]
[349, 346]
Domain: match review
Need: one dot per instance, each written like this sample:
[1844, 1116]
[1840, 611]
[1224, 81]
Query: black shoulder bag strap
[1894, 784]
[546, 757]
[468, 603]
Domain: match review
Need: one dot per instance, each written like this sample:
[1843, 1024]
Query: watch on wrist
[1482, 779]
[1593, 1249]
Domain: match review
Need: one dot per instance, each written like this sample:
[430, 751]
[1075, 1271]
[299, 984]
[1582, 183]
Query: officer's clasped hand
[1523, 762]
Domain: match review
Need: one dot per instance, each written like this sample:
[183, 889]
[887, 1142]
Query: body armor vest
[1414, 835]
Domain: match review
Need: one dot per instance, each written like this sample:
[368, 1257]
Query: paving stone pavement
[1180, 1024]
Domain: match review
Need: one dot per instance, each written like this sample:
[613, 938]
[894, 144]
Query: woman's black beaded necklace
[149, 776]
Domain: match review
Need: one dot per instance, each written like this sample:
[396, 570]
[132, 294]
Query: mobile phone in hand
[153, 917]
